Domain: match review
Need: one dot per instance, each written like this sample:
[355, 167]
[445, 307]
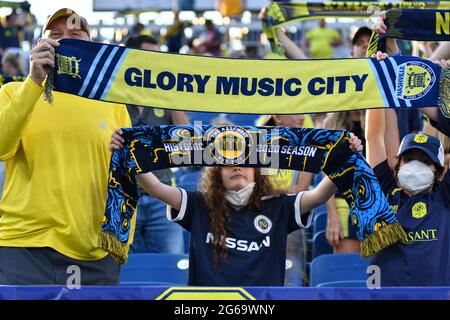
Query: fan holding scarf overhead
[279, 14]
[151, 148]
[180, 82]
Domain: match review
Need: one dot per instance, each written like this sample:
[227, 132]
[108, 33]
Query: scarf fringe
[49, 86]
[384, 237]
[444, 92]
[117, 249]
[392, 18]
[275, 14]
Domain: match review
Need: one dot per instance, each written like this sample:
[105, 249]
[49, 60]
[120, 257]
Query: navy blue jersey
[422, 259]
[256, 241]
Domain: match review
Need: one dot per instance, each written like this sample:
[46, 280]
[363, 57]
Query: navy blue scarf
[412, 24]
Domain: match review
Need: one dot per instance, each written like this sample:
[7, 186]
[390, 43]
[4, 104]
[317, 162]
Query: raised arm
[442, 52]
[391, 136]
[375, 130]
[380, 27]
[167, 194]
[17, 105]
[291, 50]
[148, 181]
[319, 195]
[326, 188]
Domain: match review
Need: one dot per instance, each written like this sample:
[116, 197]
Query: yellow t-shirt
[320, 42]
[57, 161]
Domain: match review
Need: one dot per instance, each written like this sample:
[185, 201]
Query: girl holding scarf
[238, 223]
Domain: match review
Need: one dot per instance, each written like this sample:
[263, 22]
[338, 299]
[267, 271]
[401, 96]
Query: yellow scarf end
[117, 249]
[382, 238]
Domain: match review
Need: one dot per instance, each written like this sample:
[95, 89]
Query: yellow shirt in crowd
[57, 162]
[320, 42]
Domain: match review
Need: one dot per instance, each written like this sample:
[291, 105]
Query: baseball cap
[66, 12]
[430, 145]
[361, 32]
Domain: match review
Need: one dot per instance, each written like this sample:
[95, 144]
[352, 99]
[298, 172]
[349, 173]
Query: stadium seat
[190, 178]
[320, 222]
[320, 210]
[320, 244]
[155, 269]
[294, 272]
[186, 240]
[340, 270]
[317, 177]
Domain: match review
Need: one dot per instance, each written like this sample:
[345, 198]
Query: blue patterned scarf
[160, 147]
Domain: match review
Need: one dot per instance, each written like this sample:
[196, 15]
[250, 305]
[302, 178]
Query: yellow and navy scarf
[160, 147]
[412, 24]
[183, 82]
[279, 14]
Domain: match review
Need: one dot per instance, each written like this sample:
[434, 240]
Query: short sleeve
[189, 201]
[292, 208]
[122, 116]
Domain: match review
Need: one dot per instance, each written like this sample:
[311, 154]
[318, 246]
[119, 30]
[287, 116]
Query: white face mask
[240, 198]
[415, 176]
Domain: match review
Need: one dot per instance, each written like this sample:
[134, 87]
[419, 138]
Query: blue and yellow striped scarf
[183, 82]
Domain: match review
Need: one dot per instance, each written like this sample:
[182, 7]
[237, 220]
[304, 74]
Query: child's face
[417, 155]
[236, 178]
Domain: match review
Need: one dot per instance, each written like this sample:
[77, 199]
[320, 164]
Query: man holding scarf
[56, 174]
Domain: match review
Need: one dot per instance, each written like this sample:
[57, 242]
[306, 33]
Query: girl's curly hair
[213, 191]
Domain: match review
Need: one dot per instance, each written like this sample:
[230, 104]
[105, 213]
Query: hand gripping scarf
[412, 24]
[160, 147]
[183, 82]
[279, 14]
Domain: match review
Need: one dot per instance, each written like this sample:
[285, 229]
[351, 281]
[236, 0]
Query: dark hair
[135, 42]
[363, 31]
[438, 173]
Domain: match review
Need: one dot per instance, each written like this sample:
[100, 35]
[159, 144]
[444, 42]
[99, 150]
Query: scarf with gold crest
[160, 147]
[183, 82]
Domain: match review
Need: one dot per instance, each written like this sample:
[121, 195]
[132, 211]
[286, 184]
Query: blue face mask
[415, 176]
